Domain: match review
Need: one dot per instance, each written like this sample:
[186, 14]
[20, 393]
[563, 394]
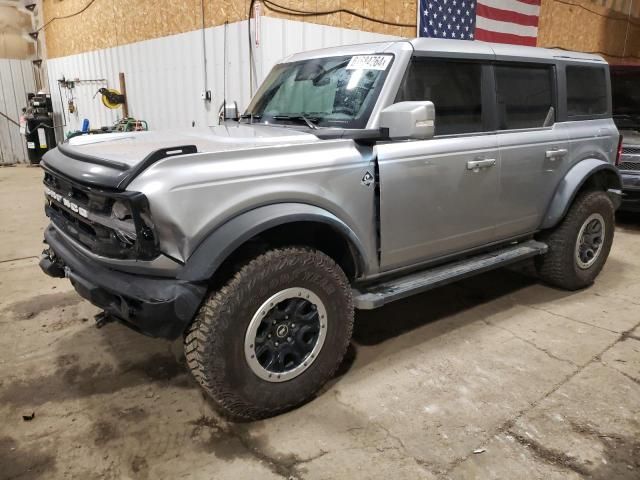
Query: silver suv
[357, 176]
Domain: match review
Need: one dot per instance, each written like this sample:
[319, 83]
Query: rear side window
[524, 96]
[455, 90]
[586, 91]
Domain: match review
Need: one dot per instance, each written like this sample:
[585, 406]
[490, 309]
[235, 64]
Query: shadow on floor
[628, 221]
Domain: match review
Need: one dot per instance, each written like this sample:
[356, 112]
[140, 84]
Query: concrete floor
[495, 377]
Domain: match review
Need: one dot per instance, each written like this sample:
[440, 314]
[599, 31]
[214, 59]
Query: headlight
[120, 210]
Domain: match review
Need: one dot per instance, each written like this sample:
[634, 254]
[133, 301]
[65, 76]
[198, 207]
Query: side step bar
[379, 294]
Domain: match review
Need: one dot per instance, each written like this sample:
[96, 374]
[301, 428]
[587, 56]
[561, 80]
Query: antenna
[224, 70]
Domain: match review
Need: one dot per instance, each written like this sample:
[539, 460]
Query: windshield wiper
[251, 116]
[324, 73]
[302, 117]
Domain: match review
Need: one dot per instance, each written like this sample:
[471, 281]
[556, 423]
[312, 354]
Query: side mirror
[404, 120]
[228, 111]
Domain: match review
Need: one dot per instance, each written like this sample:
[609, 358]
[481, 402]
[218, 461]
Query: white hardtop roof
[499, 49]
[455, 48]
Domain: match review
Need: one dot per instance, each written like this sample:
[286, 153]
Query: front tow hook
[51, 265]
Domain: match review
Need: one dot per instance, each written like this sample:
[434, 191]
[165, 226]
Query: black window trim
[488, 91]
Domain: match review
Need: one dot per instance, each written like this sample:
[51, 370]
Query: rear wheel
[580, 244]
[273, 335]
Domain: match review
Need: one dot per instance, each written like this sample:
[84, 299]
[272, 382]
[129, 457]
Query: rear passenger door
[433, 201]
[532, 147]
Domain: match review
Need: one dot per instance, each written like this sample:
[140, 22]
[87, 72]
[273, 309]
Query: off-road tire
[558, 267]
[215, 342]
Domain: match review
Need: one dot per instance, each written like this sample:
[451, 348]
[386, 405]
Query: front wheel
[273, 335]
[580, 244]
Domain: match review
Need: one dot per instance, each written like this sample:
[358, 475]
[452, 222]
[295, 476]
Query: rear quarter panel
[591, 139]
[592, 144]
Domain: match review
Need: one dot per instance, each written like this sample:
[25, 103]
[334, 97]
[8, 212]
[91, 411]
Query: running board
[379, 294]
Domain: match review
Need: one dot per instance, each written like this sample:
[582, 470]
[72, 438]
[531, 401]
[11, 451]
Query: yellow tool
[111, 98]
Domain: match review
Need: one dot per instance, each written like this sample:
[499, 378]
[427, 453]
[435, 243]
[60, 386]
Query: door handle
[556, 153]
[478, 164]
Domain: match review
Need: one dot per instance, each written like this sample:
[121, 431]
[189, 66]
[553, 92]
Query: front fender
[223, 241]
[573, 182]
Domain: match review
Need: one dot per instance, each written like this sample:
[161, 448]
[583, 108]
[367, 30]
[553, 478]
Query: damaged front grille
[108, 223]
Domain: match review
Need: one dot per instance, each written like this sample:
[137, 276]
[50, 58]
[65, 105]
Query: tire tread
[202, 339]
[557, 267]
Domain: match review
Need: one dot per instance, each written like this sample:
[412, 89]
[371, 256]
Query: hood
[112, 160]
[630, 137]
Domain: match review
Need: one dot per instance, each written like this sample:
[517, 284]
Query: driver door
[439, 196]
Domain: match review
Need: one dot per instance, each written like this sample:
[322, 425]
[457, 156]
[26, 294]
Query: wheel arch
[591, 173]
[272, 226]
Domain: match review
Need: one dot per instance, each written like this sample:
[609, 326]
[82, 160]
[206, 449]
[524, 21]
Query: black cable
[41, 125]
[9, 118]
[250, 47]
[204, 49]
[622, 18]
[302, 13]
[62, 17]
[28, 130]
[64, 116]
[224, 69]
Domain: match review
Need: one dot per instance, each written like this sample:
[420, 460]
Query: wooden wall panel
[589, 26]
[397, 11]
[109, 23]
[327, 6]
[375, 10]
[347, 20]
[585, 25]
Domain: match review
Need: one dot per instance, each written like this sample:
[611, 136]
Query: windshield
[625, 92]
[323, 92]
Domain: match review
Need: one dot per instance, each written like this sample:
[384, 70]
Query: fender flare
[571, 184]
[224, 240]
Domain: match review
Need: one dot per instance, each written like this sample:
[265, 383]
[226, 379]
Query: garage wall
[608, 27]
[16, 80]
[110, 23]
[165, 76]
[159, 46]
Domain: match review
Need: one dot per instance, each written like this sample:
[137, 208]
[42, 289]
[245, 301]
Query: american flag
[501, 21]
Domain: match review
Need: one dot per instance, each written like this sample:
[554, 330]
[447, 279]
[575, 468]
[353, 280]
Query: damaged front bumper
[155, 306]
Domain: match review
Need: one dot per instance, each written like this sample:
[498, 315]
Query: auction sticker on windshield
[369, 62]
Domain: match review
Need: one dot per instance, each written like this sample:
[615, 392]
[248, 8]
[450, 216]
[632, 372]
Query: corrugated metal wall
[165, 76]
[16, 80]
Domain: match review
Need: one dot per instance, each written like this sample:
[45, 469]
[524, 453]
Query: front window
[455, 88]
[337, 92]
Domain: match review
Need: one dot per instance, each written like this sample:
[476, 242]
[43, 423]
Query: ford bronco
[356, 176]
